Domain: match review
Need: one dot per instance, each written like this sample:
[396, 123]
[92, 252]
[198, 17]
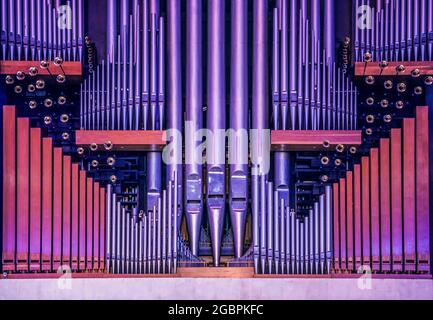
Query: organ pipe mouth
[48, 103]
[111, 161]
[324, 161]
[368, 57]
[416, 73]
[370, 101]
[47, 120]
[31, 88]
[399, 104]
[418, 91]
[388, 84]
[80, 151]
[33, 104]
[340, 148]
[18, 89]
[326, 144]
[64, 118]
[370, 118]
[108, 145]
[93, 147]
[428, 80]
[384, 103]
[370, 80]
[401, 87]
[401, 68]
[387, 118]
[21, 75]
[40, 84]
[33, 71]
[9, 80]
[45, 64]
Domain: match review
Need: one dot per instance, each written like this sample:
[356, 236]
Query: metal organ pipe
[194, 117]
[174, 98]
[239, 124]
[216, 123]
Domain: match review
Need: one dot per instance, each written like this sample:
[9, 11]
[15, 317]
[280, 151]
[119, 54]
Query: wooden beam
[313, 140]
[122, 140]
[363, 69]
[69, 68]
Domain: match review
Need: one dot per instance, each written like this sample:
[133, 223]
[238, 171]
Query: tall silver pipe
[239, 124]
[270, 226]
[194, 117]
[216, 121]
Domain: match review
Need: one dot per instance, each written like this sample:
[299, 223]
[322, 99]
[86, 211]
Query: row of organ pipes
[296, 85]
[394, 30]
[127, 92]
[42, 30]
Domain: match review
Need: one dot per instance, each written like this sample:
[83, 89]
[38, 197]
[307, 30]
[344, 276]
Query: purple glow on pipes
[194, 115]
[293, 61]
[111, 29]
[260, 115]
[137, 59]
[330, 30]
[216, 117]
[161, 72]
[239, 122]
[145, 64]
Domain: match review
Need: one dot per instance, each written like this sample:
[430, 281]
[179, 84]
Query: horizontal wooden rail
[313, 140]
[122, 140]
[363, 69]
[69, 68]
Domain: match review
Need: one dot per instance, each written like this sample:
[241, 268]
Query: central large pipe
[239, 124]
[194, 116]
[216, 121]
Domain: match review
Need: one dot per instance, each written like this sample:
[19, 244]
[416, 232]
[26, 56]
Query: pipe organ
[287, 137]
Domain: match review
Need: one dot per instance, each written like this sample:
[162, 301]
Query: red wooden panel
[365, 209]
[422, 185]
[304, 140]
[89, 226]
[374, 207]
[396, 200]
[23, 188]
[47, 202]
[83, 219]
[343, 225]
[336, 213]
[385, 204]
[96, 225]
[357, 217]
[102, 218]
[75, 216]
[409, 247]
[35, 198]
[57, 207]
[9, 187]
[349, 210]
[66, 235]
